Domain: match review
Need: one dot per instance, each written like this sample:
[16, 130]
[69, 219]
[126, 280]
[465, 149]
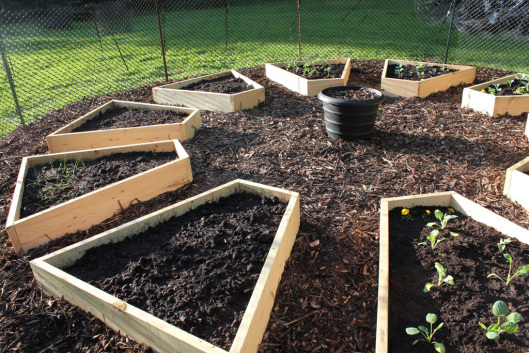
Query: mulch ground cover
[54, 183]
[125, 117]
[469, 258]
[416, 72]
[313, 71]
[196, 271]
[326, 301]
[226, 84]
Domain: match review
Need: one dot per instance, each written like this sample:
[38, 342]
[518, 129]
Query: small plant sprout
[499, 309]
[398, 69]
[405, 213]
[503, 243]
[443, 221]
[421, 66]
[522, 271]
[443, 218]
[442, 280]
[444, 69]
[428, 334]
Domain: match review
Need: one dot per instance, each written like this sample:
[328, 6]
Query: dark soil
[315, 71]
[416, 73]
[326, 301]
[352, 94]
[469, 258]
[226, 84]
[124, 117]
[517, 87]
[54, 183]
[196, 271]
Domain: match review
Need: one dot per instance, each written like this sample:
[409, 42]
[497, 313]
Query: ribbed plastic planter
[349, 119]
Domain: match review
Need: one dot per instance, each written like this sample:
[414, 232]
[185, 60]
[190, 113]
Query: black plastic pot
[350, 119]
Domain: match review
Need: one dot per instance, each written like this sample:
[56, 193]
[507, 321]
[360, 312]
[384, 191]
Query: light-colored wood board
[516, 185]
[301, 85]
[521, 166]
[64, 140]
[527, 127]
[125, 317]
[89, 209]
[493, 105]
[118, 315]
[446, 199]
[175, 93]
[423, 88]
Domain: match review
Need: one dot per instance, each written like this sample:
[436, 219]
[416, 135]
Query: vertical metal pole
[453, 6]
[162, 41]
[10, 80]
[226, 21]
[299, 30]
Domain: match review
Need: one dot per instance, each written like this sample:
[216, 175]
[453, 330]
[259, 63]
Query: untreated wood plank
[407, 88]
[175, 93]
[84, 211]
[517, 183]
[446, 199]
[148, 329]
[64, 140]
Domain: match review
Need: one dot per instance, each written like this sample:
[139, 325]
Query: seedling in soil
[398, 70]
[428, 334]
[444, 69]
[443, 278]
[328, 70]
[499, 309]
[503, 243]
[522, 271]
[443, 221]
[405, 213]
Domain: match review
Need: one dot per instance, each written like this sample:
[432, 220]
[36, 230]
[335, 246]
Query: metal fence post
[450, 29]
[10, 79]
[299, 30]
[162, 40]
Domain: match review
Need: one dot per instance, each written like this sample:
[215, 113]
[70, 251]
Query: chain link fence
[64, 52]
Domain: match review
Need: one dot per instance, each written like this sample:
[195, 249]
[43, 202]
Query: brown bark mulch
[326, 301]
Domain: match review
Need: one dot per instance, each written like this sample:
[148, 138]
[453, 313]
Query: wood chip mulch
[327, 297]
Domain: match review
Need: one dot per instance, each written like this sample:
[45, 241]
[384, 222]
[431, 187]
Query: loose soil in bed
[326, 301]
[315, 71]
[469, 258]
[352, 94]
[125, 117]
[196, 271]
[54, 183]
[416, 72]
[226, 84]
[517, 87]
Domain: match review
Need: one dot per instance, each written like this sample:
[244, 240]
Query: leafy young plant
[443, 221]
[503, 243]
[522, 271]
[443, 279]
[398, 70]
[499, 309]
[428, 333]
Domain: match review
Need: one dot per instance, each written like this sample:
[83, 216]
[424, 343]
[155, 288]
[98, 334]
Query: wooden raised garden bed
[494, 105]
[465, 207]
[144, 327]
[64, 140]
[517, 183]
[304, 86]
[425, 87]
[176, 93]
[84, 211]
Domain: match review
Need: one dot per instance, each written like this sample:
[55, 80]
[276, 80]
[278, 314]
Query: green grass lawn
[52, 68]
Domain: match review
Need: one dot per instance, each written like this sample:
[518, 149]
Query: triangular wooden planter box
[443, 199]
[517, 183]
[303, 86]
[149, 329]
[64, 140]
[92, 208]
[175, 93]
[406, 88]
[494, 105]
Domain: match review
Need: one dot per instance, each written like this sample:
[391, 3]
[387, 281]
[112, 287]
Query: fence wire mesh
[63, 52]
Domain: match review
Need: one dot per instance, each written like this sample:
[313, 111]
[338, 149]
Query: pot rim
[325, 98]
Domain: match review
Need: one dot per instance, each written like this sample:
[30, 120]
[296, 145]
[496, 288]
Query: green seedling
[444, 69]
[428, 334]
[442, 280]
[510, 326]
[521, 90]
[503, 243]
[398, 70]
[522, 271]
[328, 70]
[510, 82]
[443, 221]
[421, 66]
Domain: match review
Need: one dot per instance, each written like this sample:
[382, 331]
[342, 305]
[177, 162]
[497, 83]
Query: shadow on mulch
[326, 301]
